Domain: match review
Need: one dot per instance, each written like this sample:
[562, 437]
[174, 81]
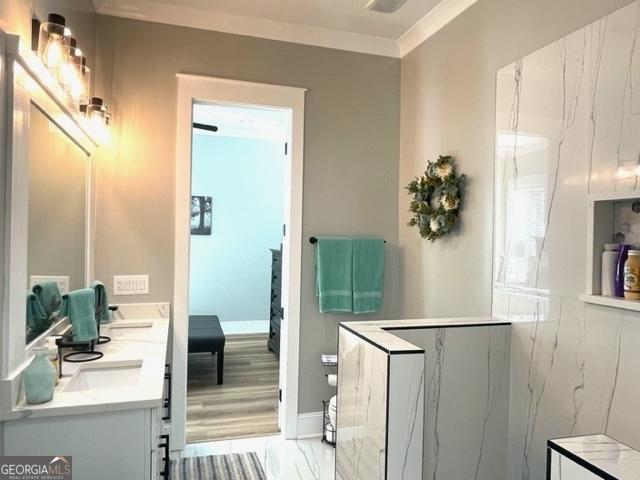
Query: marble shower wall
[567, 125]
[466, 400]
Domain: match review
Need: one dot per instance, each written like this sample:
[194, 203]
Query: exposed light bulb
[53, 52]
[53, 43]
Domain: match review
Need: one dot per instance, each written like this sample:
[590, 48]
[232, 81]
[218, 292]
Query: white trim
[218, 90]
[310, 425]
[249, 26]
[431, 23]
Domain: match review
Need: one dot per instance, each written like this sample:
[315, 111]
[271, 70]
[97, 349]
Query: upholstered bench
[206, 335]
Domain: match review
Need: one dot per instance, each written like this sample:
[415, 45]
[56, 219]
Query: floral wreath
[436, 198]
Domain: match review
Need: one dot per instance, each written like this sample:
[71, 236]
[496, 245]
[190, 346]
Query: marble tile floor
[304, 459]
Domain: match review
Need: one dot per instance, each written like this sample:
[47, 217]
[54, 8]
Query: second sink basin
[105, 375]
[128, 329]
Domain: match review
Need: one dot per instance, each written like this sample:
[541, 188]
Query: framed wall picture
[201, 211]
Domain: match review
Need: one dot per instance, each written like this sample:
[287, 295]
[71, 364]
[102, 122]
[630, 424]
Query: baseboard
[310, 425]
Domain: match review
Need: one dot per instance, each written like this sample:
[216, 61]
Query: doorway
[195, 93]
[237, 217]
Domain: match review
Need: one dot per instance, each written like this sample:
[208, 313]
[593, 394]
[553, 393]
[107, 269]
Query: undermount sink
[105, 375]
[130, 328]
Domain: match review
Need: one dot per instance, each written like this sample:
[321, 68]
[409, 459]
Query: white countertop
[380, 332]
[148, 349]
[607, 455]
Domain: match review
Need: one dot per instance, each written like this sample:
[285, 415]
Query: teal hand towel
[102, 302]
[368, 274]
[80, 306]
[37, 318]
[49, 296]
[334, 265]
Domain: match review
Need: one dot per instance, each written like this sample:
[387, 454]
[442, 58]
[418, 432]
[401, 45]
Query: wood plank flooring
[246, 405]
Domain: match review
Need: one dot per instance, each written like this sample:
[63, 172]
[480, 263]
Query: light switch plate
[131, 284]
[61, 280]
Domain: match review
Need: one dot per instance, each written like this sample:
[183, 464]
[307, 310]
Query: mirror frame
[26, 82]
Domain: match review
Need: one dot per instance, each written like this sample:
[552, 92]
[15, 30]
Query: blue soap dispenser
[39, 378]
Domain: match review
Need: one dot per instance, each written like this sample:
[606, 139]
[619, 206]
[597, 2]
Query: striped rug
[236, 466]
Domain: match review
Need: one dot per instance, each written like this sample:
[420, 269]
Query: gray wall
[351, 155]
[448, 104]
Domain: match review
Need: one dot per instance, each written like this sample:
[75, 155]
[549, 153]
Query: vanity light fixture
[85, 81]
[62, 57]
[68, 73]
[98, 116]
[76, 75]
[53, 43]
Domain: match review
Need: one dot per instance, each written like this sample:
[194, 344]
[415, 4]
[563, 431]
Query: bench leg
[220, 360]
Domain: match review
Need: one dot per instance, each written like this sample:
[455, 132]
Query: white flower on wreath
[450, 203]
[434, 225]
[444, 170]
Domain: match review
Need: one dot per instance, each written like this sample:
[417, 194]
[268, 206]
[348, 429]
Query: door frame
[202, 89]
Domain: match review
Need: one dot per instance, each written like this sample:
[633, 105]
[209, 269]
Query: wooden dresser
[275, 309]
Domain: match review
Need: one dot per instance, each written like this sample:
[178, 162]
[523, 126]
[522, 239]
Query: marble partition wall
[466, 400]
[567, 126]
[362, 403]
[380, 408]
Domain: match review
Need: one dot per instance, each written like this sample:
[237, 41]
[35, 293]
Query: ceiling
[341, 24]
[345, 15]
[243, 122]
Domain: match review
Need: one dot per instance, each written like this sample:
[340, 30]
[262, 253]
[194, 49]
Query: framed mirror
[49, 199]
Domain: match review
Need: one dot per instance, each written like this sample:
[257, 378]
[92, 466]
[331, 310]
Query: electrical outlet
[131, 284]
[61, 280]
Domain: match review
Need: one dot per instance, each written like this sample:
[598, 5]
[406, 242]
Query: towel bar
[315, 240]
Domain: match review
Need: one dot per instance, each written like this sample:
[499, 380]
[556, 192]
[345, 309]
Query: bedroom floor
[246, 405]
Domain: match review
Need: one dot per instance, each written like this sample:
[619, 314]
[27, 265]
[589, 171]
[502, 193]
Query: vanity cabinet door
[563, 468]
[103, 446]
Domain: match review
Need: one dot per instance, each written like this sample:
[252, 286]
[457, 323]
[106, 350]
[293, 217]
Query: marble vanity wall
[466, 400]
[567, 126]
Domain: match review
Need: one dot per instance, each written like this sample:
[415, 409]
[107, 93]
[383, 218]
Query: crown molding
[249, 26]
[204, 19]
[431, 23]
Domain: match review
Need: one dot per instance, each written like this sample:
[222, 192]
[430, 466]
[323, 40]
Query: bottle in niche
[39, 378]
[609, 265]
[632, 276]
[622, 258]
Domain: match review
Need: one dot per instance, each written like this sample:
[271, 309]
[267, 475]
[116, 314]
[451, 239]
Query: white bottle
[609, 265]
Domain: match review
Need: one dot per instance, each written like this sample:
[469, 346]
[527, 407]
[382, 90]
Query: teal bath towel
[37, 318]
[102, 302]
[334, 263]
[80, 306]
[49, 296]
[368, 273]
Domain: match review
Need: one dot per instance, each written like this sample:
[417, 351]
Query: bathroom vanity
[591, 457]
[110, 415]
[420, 398]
